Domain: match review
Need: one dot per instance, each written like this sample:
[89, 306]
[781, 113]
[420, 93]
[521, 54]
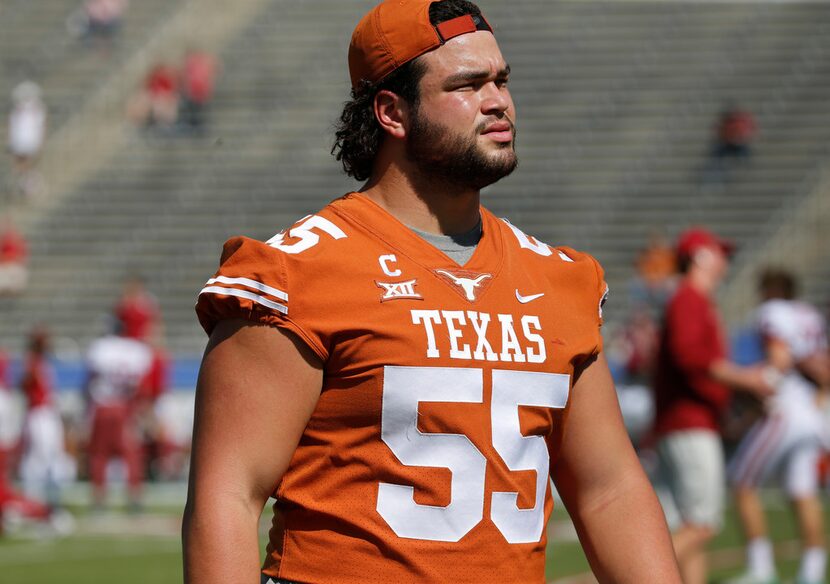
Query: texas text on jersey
[445, 392]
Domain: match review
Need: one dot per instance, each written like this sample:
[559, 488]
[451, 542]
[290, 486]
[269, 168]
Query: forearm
[623, 532]
[733, 375]
[220, 542]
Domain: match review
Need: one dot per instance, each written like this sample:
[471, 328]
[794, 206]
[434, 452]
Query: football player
[788, 441]
[403, 371]
[118, 368]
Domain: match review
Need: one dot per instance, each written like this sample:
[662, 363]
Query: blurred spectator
[137, 310]
[26, 133]
[735, 133]
[692, 389]
[98, 22]
[656, 274]
[44, 465]
[118, 367]
[156, 105]
[14, 256]
[198, 78]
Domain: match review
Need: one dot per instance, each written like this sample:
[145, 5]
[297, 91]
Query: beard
[458, 159]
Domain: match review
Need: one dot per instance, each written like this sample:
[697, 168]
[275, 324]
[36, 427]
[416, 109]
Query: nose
[495, 99]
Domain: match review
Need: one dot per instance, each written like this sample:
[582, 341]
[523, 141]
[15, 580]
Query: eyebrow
[475, 76]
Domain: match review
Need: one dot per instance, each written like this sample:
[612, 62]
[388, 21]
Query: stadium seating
[616, 104]
[35, 44]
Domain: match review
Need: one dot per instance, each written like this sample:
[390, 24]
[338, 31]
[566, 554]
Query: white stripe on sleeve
[245, 294]
[250, 284]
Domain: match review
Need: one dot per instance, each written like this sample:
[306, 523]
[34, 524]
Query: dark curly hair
[358, 134]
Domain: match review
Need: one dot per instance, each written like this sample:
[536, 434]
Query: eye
[469, 86]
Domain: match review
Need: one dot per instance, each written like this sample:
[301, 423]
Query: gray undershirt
[459, 247]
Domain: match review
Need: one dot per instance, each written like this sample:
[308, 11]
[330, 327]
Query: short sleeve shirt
[445, 392]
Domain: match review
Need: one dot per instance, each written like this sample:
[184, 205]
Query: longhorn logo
[469, 285]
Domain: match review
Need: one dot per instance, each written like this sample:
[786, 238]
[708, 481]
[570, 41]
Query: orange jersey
[445, 393]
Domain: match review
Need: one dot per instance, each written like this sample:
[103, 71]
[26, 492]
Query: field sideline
[116, 547]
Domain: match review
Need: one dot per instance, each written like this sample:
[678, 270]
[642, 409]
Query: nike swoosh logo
[526, 299]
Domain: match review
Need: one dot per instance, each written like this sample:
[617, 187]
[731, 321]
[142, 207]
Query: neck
[429, 205]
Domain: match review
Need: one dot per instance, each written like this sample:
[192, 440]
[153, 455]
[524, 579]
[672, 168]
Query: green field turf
[147, 550]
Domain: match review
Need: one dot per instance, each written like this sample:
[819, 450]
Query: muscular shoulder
[287, 279]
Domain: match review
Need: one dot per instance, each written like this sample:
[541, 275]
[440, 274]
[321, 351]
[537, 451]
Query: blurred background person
[117, 371]
[156, 105]
[14, 259]
[692, 388]
[656, 274]
[734, 135]
[98, 23]
[137, 310]
[786, 442]
[198, 80]
[44, 465]
[26, 133]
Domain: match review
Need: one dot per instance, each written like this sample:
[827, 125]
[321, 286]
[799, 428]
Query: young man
[692, 388]
[403, 371]
[789, 439]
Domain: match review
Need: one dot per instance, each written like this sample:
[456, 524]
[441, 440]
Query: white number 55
[404, 388]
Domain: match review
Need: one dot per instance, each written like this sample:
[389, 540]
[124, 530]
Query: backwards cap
[396, 31]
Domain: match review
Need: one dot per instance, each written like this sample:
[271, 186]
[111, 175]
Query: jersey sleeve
[589, 278]
[601, 292]
[252, 284]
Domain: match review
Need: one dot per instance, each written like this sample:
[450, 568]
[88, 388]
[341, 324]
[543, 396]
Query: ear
[391, 112]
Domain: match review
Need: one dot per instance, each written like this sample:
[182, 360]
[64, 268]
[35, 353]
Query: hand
[761, 381]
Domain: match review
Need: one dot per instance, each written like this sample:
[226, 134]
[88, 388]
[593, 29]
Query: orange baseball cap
[396, 31]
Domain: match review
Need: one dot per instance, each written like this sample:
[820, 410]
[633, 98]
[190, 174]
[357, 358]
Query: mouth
[501, 131]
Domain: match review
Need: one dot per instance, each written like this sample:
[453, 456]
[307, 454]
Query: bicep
[595, 452]
[257, 389]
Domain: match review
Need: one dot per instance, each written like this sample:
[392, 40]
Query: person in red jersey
[692, 389]
[44, 464]
[403, 371]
